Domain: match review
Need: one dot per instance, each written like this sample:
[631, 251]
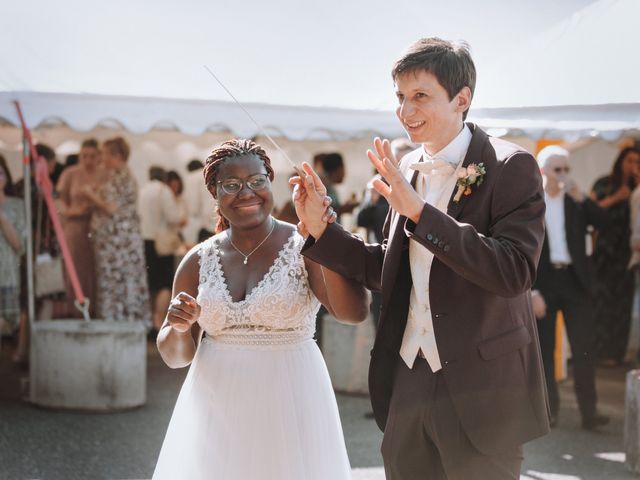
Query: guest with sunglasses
[564, 282]
[614, 287]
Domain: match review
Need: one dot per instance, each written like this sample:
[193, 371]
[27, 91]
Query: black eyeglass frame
[244, 181]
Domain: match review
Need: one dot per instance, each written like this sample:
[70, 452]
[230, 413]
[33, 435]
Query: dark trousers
[424, 439]
[565, 293]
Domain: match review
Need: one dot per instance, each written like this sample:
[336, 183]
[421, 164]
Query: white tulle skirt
[264, 412]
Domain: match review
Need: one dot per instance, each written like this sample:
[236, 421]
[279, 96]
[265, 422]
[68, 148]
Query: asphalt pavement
[37, 443]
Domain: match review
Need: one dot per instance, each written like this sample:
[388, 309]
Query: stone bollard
[98, 365]
[632, 421]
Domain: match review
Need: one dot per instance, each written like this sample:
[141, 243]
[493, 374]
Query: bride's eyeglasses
[255, 182]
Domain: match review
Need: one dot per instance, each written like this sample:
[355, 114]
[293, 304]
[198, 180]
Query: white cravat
[435, 166]
[435, 185]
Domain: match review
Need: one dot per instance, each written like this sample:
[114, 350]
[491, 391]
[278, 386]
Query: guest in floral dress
[12, 243]
[122, 290]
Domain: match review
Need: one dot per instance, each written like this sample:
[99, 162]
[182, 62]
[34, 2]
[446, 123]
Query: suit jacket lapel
[474, 155]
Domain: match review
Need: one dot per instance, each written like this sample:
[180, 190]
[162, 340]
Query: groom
[455, 377]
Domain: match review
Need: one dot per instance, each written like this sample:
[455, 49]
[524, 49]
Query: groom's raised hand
[399, 193]
[311, 202]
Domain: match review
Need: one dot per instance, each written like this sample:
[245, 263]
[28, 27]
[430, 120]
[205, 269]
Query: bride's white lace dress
[257, 403]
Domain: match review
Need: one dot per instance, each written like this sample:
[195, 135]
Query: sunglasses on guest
[562, 170]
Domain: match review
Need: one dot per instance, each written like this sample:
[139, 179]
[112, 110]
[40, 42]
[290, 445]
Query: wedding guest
[564, 282]
[122, 291]
[200, 205]
[633, 346]
[288, 211]
[455, 378]
[257, 402]
[44, 241]
[175, 183]
[75, 187]
[613, 292]
[333, 174]
[160, 217]
[12, 243]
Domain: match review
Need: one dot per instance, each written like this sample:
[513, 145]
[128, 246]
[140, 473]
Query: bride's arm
[177, 339]
[345, 299]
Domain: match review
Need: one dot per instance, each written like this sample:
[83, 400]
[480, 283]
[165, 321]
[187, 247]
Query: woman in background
[12, 243]
[613, 289]
[122, 290]
[77, 207]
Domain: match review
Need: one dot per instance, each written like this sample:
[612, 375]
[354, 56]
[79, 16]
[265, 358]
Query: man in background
[564, 282]
[201, 206]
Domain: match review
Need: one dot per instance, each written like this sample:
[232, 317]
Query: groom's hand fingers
[388, 153]
[378, 145]
[382, 188]
[377, 162]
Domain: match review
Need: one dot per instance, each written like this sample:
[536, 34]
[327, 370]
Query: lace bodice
[280, 309]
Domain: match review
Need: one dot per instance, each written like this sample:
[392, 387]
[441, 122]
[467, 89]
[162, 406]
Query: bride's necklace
[247, 255]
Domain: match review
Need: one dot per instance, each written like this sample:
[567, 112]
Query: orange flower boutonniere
[472, 175]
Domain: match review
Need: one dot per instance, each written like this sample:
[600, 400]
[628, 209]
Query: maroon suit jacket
[486, 249]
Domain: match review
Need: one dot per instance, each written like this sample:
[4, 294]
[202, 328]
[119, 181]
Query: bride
[257, 402]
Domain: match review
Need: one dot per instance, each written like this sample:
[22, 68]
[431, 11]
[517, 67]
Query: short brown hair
[119, 146]
[89, 143]
[449, 62]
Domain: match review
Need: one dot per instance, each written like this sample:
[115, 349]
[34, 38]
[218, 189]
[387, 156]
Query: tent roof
[83, 112]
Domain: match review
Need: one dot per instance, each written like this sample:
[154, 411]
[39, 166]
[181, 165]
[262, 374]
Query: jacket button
[429, 237]
[440, 244]
[446, 248]
[435, 240]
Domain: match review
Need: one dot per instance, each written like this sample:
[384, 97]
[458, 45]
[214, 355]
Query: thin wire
[262, 131]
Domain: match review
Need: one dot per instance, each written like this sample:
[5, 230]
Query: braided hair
[230, 149]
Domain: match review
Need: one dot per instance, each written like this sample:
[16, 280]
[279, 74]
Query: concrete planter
[97, 365]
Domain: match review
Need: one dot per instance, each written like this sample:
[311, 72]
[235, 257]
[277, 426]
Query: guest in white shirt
[564, 282]
[200, 205]
[159, 214]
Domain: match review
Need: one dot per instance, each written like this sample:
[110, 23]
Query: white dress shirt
[556, 231]
[436, 189]
[158, 209]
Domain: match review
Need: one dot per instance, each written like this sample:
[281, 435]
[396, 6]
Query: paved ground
[43, 444]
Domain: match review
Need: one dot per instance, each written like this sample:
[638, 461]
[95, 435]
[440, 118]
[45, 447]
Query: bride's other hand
[183, 312]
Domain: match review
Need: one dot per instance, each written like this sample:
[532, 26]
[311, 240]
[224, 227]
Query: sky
[320, 53]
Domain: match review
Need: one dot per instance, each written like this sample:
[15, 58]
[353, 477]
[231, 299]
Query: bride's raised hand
[183, 312]
[311, 202]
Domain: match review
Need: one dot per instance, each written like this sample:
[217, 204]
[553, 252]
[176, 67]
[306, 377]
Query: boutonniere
[472, 175]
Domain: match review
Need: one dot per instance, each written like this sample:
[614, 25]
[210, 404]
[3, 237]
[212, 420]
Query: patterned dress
[614, 286]
[122, 289]
[10, 262]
